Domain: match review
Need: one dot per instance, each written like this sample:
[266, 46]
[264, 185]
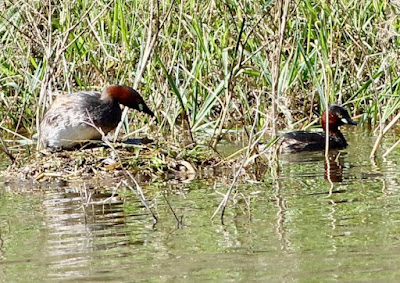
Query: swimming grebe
[298, 141]
[68, 120]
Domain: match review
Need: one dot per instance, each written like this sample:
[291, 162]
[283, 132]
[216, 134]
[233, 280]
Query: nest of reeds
[147, 162]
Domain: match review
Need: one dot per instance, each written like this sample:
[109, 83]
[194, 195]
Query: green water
[298, 227]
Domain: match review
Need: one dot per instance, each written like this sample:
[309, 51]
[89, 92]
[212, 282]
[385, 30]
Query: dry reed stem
[283, 12]
[150, 44]
[229, 89]
[138, 191]
[382, 133]
[57, 49]
[4, 148]
[225, 199]
[179, 221]
[391, 148]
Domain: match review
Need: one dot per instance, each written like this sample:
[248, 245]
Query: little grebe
[68, 120]
[298, 141]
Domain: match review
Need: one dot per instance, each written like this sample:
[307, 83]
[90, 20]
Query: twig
[138, 190]
[15, 133]
[179, 221]
[4, 148]
[224, 201]
[140, 195]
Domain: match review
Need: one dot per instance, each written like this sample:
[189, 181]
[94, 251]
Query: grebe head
[126, 96]
[337, 116]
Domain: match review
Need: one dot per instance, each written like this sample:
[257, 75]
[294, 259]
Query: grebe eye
[140, 107]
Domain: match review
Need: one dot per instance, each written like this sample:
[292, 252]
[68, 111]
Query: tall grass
[212, 65]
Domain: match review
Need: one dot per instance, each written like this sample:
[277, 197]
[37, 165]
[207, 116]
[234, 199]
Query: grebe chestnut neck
[69, 119]
[299, 141]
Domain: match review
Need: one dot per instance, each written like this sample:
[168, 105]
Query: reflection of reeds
[75, 231]
[218, 66]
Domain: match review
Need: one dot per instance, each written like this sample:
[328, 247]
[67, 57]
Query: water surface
[318, 220]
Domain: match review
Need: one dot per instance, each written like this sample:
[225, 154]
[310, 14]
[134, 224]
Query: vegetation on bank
[206, 68]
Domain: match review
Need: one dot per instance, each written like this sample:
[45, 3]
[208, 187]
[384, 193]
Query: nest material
[146, 162]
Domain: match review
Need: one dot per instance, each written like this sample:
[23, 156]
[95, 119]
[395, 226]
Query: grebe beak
[143, 108]
[348, 121]
[148, 111]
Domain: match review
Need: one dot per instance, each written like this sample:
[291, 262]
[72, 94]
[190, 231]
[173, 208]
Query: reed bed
[208, 69]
